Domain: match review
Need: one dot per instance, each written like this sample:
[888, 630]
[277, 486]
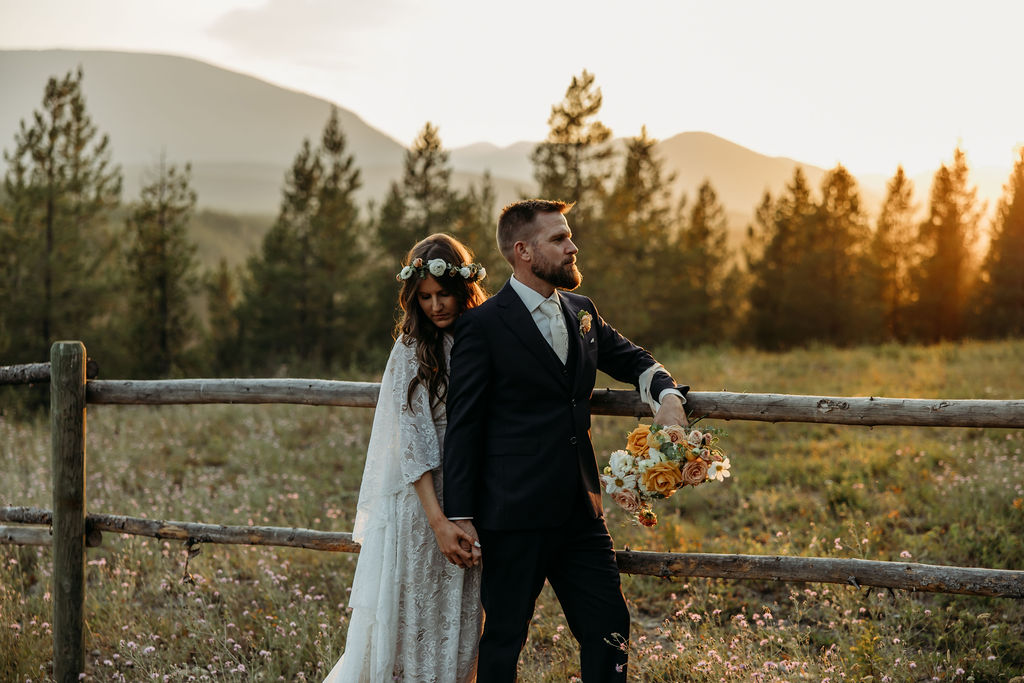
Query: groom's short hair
[516, 222]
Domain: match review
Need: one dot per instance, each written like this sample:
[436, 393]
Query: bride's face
[437, 303]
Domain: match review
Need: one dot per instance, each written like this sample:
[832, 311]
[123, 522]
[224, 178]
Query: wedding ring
[476, 544]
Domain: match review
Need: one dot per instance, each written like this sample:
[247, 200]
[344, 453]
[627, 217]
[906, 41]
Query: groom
[519, 468]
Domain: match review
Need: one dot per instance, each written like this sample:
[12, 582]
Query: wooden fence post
[67, 435]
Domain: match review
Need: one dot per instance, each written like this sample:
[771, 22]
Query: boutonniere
[585, 320]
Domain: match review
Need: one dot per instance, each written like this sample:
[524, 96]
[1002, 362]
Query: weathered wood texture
[903, 575]
[303, 391]
[25, 535]
[198, 533]
[34, 373]
[67, 438]
[722, 405]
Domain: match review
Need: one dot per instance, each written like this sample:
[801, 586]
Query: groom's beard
[563, 275]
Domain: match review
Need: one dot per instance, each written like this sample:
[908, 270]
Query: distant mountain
[241, 134]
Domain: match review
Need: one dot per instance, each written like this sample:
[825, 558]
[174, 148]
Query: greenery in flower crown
[471, 272]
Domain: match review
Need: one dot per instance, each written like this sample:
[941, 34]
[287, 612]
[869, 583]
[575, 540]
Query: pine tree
[300, 294]
[893, 255]
[708, 269]
[340, 246]
[430, 202]
[776, 319]
[943, 278]
[1001, 310]
[161, 268]
[474, 225]
[575, 162]
[831, 275]
[59, 191]
[637, 246]
[222, 316]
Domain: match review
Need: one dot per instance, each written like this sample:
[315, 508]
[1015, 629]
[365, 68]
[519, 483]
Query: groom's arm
[466, 404]
[627, 362]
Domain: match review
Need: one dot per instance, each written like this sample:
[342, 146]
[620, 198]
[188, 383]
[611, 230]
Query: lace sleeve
[403, 444]
[420, 450]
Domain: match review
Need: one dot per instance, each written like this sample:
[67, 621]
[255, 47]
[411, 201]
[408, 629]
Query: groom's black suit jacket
[517, 450]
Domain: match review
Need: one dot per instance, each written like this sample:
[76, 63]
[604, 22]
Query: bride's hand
[457, 543]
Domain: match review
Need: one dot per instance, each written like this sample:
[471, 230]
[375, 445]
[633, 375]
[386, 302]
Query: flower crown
[470, 272]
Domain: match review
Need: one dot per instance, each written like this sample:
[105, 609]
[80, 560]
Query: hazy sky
[871, 84]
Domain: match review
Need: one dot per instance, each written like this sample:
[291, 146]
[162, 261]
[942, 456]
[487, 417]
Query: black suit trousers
[578, 560]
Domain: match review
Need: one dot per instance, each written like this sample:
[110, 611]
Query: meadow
[949, 496]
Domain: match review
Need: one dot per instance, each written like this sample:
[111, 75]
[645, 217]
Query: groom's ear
[522, 250]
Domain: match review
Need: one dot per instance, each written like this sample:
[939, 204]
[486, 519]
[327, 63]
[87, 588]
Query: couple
[480, 453]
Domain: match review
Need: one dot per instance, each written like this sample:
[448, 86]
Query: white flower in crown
[437, 266]
[407, 273]
[465, 272]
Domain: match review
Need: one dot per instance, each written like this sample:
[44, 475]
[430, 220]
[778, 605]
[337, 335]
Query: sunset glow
[870, 85]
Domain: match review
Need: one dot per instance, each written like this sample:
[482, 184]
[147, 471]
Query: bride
[416, 616]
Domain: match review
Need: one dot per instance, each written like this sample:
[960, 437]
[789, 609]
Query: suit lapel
[577, 350]
[520, 323]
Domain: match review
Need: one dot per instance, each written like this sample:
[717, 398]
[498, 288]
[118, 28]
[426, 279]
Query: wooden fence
[71, 529]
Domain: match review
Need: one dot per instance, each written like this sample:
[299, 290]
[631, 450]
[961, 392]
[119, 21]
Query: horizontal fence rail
[37, 373]
[903, 575]
[71, 529]
[723, 405]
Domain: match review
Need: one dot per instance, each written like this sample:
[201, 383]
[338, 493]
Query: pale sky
[870, 84]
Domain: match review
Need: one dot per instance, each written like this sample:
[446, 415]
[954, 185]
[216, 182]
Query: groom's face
[554, 254]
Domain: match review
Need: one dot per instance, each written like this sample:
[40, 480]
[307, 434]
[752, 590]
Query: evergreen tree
[161, 270]
[475, 225]
[943, 277]
[711, 277]
[575, 162]
[893, 255]
[638, 247]
[340, 246]
[430, 202]
[222, 316]
[829, 288]
[775, 317]
[59, 191]
[301, 293]
[1001, 310]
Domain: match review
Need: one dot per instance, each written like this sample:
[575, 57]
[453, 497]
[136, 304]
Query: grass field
[940, 496]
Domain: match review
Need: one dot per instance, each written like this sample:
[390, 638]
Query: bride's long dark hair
[414, 325]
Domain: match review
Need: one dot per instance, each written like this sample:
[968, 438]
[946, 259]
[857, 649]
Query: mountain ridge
[241, 133]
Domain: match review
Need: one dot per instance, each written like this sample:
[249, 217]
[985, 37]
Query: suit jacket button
[565, 371]
[573, 403]
[572, 440]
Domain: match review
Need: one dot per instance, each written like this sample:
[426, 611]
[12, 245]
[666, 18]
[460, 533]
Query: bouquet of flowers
[657, 461]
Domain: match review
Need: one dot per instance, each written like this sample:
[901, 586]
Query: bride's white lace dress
[415, 616]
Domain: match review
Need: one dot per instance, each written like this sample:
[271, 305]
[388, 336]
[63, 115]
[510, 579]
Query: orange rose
[636, 442]
[663, 478]
[695, 472]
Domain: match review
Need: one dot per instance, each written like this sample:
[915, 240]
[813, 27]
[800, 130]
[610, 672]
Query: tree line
[77, 260]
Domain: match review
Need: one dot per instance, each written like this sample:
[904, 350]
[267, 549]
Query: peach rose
[636, 442]
[695, 472]
[627, 500]
[676, 433]
[663, 478]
